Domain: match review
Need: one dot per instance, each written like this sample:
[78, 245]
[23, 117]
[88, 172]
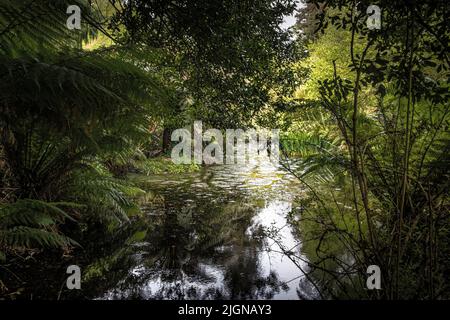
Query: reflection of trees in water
[196, 247]
[191, 249]
[244, 280]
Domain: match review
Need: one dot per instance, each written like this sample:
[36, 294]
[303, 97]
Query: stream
[219, 233]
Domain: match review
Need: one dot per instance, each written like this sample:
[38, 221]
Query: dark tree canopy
[231, 53]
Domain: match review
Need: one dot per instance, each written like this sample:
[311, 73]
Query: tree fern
[63, 112]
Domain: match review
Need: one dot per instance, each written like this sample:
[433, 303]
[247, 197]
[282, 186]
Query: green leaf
[137, 237]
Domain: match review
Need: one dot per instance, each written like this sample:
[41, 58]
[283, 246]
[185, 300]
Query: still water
[219, 233]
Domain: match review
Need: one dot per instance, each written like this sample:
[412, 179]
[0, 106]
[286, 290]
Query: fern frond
[33, 213]
[105, 195]
[31, 223]
[33, 27]
[27, 237]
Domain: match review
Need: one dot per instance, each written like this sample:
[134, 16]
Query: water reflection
[205, 240]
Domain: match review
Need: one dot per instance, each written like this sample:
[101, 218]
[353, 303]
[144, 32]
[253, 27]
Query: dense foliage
[364, 113]
[78, 108]
[383, 96]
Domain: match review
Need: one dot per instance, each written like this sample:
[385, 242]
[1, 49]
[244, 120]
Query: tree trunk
[166, 140]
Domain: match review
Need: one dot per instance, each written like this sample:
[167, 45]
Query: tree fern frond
[104, 195]
[33, 213]
[27, 237]
[32, 27]
[31, 223]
